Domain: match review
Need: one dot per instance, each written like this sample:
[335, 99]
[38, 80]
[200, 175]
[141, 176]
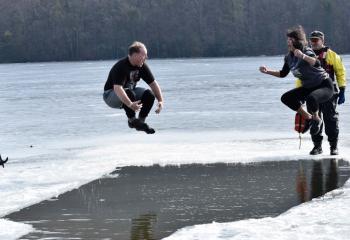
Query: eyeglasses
[314, 40]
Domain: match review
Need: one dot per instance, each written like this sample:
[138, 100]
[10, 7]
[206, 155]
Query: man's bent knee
[148, 94]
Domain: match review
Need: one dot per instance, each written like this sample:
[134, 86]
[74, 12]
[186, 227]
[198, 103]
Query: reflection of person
[321, 182]
[142, 227]
[316, 179]
[120, 90]
[332, 63]
[332, 176]
[316, 88]
[318, 187]
[301, 184]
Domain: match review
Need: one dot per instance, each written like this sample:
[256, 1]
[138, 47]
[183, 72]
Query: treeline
[57, 30]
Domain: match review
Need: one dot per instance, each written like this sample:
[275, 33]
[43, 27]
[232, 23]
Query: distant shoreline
[166, 58]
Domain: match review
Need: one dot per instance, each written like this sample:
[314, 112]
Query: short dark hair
[298, 34]
[135, 47]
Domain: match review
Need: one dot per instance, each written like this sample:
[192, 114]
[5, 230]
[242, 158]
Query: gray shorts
[113, 101]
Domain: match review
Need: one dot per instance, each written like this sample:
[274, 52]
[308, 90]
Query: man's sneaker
[130, 124]
[334, 151]
[149, 130]
[144, 127]
[316, 150]
[135, 123]
[140, 126]
[315, 126]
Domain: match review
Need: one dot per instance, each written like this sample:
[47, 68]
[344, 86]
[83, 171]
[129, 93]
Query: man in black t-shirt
[120, 90]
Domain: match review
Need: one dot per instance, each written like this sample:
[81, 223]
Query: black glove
[341, 97]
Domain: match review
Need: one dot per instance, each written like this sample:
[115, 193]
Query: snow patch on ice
[11, 230]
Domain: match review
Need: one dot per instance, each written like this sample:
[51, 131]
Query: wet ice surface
[153, 202]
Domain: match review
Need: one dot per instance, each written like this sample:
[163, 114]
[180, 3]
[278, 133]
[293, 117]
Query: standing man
[333, 65]
[120, 90]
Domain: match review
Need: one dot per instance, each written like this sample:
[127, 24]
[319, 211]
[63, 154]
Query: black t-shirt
[126, 75]
[310, 76]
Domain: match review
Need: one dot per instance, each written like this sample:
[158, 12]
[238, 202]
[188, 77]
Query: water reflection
[142, 227]
[332, 176]
[301, 182]
[324, 178]
[316, 180]
[147, 203]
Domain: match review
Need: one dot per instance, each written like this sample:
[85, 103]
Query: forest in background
[70, 30]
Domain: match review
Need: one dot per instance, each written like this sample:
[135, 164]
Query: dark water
[153, 202]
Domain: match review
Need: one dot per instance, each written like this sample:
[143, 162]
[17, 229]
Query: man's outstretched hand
[159, 107]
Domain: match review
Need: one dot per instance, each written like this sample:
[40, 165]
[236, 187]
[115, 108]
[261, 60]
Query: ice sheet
[43, 176]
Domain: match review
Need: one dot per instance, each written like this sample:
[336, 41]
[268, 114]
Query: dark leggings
[147, 100]
[313, 96]
[330, 117]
